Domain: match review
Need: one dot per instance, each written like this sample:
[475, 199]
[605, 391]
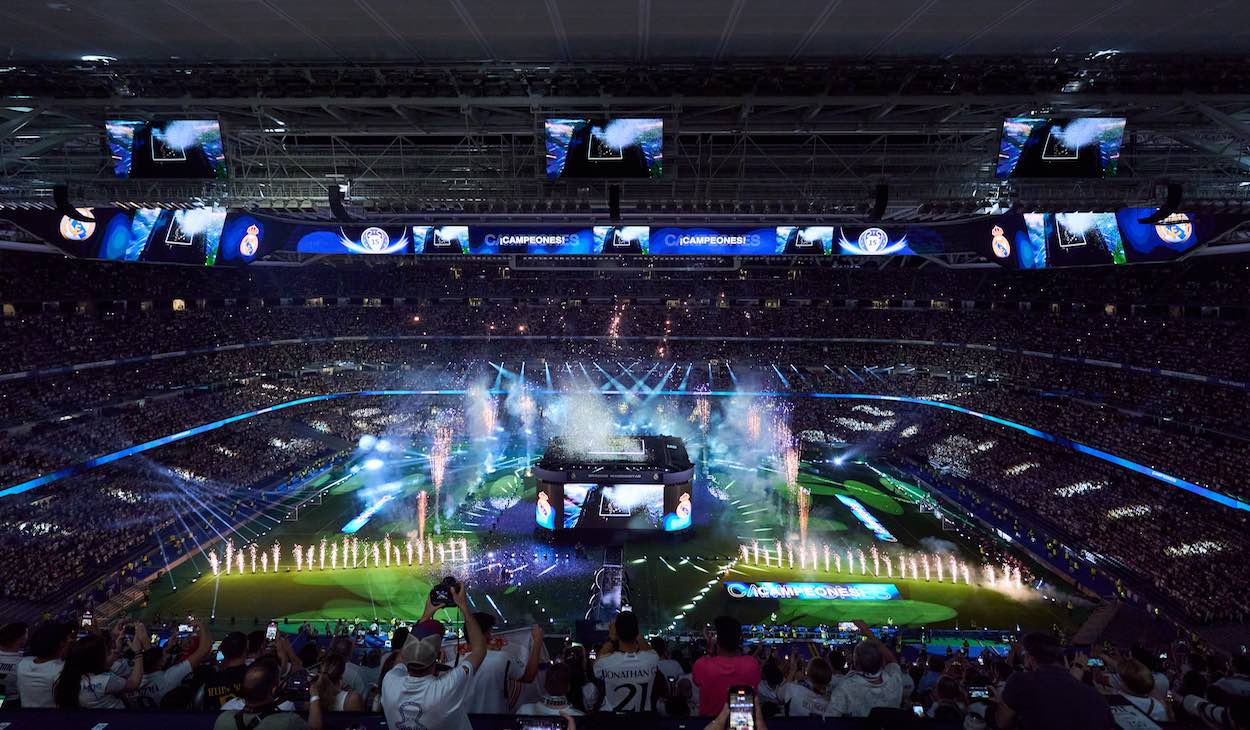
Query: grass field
[673, 582]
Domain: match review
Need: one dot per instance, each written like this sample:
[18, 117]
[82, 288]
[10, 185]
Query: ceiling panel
[601, 31]
[673, 29]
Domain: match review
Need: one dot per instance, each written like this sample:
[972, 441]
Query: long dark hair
[88, 655]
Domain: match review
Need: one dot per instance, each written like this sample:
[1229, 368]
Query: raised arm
[203, 647]
[536, 650]
[477, 641]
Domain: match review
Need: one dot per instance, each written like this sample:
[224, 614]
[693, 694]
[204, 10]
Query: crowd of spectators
[1033, 683]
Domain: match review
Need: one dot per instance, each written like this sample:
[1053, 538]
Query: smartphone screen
[1094, 663]
[978, 693]
[271, 633]
[741, 708]
[917, 710]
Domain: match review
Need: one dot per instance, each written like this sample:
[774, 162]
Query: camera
[440, 595]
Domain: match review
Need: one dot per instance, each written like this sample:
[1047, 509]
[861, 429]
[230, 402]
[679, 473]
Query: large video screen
[440, 239]
[369, 240]
[596, 506]
[1166, 240]
[714, 241]
[170, 236]
[1081, 239]
[873, 241]
[1060, 147]
[604, 148]
[177, 148]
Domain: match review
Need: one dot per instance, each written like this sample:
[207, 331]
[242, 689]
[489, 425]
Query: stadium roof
[630, 30]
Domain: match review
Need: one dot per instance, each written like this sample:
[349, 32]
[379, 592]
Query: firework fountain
[334, 556]
[913, 565]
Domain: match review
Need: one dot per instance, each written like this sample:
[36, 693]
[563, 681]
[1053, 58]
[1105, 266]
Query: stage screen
[714, 242]
[1167, 240]
[176, 148]
[604, 148]
[1060, 147]
[640, 507]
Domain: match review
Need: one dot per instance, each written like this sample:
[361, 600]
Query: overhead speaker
[60, 197]
[336, 203]
[880, 202]
[614, 203]
[1170, 204]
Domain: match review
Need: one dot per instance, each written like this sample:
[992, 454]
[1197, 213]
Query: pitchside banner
[814, 591]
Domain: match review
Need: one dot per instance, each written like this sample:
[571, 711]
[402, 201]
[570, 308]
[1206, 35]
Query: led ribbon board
[814, 591]
[866, 518]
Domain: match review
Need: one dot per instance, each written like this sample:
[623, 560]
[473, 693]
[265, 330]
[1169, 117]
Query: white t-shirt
[35, 680]
[488, 691]
[1150, 707]
[101, 692]
[418, 703]
[627, 680]
[858, 693]
[798, 700]
[156, 685]
[354, 678]
[8, 672]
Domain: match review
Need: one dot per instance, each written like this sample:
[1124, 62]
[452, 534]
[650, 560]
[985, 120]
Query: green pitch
[674, 583]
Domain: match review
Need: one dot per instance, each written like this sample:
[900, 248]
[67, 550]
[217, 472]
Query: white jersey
[627, 680]
[156, 685]
[798, 700]
[8, 673]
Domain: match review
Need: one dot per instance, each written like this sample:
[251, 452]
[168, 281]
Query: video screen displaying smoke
[1050, 147]
[1081, 239]
[604, 148]
[178, 236]
[180, 148]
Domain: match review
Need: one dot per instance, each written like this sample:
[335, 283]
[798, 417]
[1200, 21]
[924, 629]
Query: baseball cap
[422, 652]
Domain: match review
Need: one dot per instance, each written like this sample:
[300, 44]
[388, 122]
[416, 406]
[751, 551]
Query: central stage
[623, 485]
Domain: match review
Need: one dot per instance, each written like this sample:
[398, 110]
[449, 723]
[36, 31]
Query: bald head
[260, 683]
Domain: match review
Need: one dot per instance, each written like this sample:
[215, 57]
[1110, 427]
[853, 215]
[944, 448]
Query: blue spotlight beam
[1201, 491]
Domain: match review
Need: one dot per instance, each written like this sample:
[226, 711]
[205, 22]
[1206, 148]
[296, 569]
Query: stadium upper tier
[27, 279]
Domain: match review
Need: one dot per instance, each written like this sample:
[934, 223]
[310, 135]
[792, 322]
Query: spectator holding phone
[227, 682]
[158, 682]
[875, 680]
[416, 693]
[261, 709]
[724, 666]
[86, 681]
[628, 669]
[1047, 695]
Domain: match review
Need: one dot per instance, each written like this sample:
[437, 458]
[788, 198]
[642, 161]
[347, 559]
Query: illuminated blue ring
[1188, 486]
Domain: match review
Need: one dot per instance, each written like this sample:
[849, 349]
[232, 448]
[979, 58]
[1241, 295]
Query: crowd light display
[1063, 442]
